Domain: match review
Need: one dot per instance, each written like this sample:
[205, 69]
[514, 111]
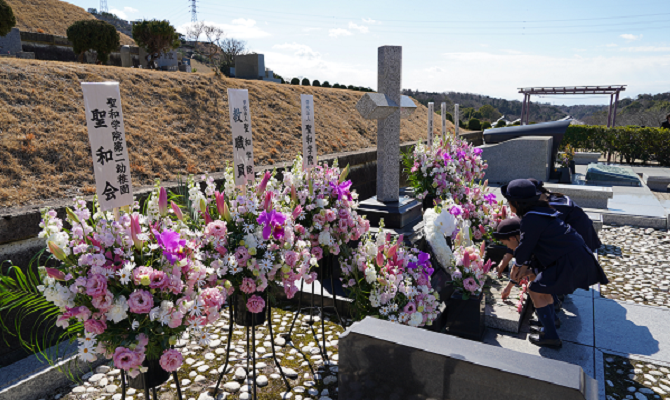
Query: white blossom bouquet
[389, 281]
[130, 286]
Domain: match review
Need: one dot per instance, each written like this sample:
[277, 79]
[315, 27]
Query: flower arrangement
[445, 169]
[566, 157]
[130, 286]
[439, 226]
[468, 271]
[389, 281]
[522, 297]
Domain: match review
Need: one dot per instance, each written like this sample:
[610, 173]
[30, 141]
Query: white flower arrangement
[436, 227]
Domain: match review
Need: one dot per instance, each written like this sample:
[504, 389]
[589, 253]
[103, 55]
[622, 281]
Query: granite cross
[387, 106]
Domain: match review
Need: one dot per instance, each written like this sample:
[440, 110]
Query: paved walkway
[591, 326]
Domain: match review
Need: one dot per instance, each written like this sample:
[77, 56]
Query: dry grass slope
[176, 123]
[52, 16]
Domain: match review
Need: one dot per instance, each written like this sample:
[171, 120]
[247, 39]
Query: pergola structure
[612, 90]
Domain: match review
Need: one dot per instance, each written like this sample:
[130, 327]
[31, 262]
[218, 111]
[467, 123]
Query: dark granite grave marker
[384, 360]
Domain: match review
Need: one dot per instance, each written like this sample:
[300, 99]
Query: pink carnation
[216, 229]
[255, 304]
[96, 285]
[213, 297]
[248, 286]
[171, 360]
[140, 302]
[95, 326]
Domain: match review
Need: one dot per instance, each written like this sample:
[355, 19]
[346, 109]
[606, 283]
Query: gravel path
[632, 379]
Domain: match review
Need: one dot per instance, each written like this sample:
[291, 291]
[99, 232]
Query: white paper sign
[104, 119]
[444, 120]
[240, 123]
[309, 153]
[431, 109]
[457, 119]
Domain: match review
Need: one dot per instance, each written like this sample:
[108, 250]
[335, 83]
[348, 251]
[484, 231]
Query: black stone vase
[465, 318]
[428, 202]
[565, 176]
[155, 375]
[244, 317]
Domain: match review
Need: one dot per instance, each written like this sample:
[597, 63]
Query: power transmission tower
[103, 6]
[194, 13]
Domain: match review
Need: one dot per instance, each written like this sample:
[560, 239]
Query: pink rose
[175, 285]
[127, 359]
[96, 285]
[140, 302]
[291, 257]
[142, 342]
[103, 303]
[310, 278]
[255, 304]
[290, 289]
[216, 229]
[95, 326]
[477, 235]
[141, 272]
[330, 215]
[299, 228]
[171, 360]
[213, 297]
[159, 280]
[248, 286]
[175, 319]
[317, 252]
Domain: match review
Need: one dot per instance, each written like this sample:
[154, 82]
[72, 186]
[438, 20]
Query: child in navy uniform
[561, 263]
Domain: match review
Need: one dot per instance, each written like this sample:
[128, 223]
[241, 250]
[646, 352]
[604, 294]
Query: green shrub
[325, 84]
[7, 19]
[486, 125]
[474, 124]
[156, 37]
[477, 115]
[501, 123]
[93, 35]
[631, 142]
[316, 83]
[517, 123]
[295, 81]
[461, 124]
[305, 82]
[449, 117]
[351, 87]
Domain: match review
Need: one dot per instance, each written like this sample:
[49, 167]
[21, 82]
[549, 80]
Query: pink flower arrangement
[468, 270]
[171, 360]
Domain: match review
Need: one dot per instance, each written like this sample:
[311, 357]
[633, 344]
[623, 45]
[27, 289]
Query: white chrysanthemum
[118, 311]
[60, 295]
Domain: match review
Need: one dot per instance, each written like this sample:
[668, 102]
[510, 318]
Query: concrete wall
[11, 43]
[250, 66]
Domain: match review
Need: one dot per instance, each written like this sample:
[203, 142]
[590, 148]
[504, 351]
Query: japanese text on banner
[240, 123]
[308, 135]
[430, 124]
[104, 119]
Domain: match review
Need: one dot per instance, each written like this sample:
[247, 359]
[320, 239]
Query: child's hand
[506, 292]
[501, 267]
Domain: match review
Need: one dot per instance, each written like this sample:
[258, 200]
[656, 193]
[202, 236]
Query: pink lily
[135, 229]
[177, 211]
[264, 182]
[162, 202]
[56, 274]
[57, 251]
[268, 201]
[296, 212]
[220, 202]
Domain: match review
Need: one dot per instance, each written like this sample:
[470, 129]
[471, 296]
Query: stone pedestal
[126, 57]
[400, 214]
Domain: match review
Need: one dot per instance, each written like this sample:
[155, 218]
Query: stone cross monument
[388, 106]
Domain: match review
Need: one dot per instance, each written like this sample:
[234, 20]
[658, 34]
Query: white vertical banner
[444, 120]
[457, 119]
[104, 119]
[309, 153]
[431, 110]
[240, 124]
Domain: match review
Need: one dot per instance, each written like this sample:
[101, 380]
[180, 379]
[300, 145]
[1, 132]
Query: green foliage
[517, 123]
[474, 124]
[350, 87]
[477, 115]
[305, 82]
[295, 81]
[461, 124]
[93, 35]
[466, 113]
[501, 123]
[449, 117]
[631, 142]
[486, 125]
[7, 19]
[489, 112]
[316, 83]
[325, 84]
[156, 37]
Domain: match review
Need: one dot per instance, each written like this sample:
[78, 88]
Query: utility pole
[194, 13]
[103, 6]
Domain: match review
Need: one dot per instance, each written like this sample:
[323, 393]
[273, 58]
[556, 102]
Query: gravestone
[457, 119]
[388, 106]
[126, 57]
[11, 43]
[526, 157]
[384, 360]
[168, 61]
[605, 175]
[143, 58]
[250, 66]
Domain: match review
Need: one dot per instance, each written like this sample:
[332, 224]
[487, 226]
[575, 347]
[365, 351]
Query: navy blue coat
[561, 259]
[574, 216]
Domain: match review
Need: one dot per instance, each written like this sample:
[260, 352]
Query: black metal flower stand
[326, 271]
[249, 320]
[146, 383]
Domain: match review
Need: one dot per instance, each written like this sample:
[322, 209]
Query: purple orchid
[477, 151]
[172, 245]
[342, 190]
[490, 198]
[273, 222]
[456, 211]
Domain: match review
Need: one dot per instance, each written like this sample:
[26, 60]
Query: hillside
[51, 16]
[176, 123]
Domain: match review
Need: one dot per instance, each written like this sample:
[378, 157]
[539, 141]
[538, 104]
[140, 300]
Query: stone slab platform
[502, 314]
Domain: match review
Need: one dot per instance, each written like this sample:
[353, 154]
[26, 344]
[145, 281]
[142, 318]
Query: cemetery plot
[637, 262]
[626, 378]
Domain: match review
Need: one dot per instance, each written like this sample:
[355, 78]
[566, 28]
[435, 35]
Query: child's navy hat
[507, 228]
[521, 190]
[538, 184]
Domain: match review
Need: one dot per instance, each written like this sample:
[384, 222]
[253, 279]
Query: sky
[488, 47]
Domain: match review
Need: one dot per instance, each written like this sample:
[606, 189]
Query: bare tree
[210, 49]
[232, 48]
